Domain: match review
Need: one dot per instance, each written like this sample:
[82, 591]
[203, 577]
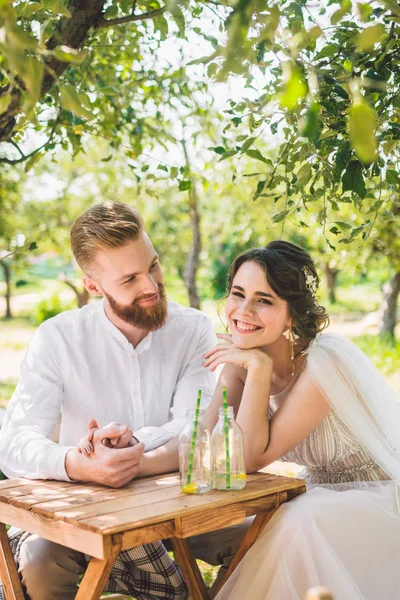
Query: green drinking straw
[194, 436]
[226, 429]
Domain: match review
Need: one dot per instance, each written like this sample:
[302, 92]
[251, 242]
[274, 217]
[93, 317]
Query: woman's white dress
[344, 533]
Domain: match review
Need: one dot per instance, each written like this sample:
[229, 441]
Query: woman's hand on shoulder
[227, 352]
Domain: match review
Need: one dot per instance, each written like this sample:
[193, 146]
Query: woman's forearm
[253, 414]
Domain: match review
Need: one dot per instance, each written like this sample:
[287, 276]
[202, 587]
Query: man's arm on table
[33, 413]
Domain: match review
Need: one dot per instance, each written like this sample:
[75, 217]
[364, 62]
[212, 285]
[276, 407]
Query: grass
[354, 301]
[7, 387]
[384, 353]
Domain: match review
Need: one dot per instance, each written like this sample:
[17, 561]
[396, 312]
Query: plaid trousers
[146, 572]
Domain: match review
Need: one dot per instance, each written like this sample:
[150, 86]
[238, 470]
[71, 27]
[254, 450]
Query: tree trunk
[82, 296]
[192, 263]
[388, 307]
[7, 279]
[331, 274]
[71, 32]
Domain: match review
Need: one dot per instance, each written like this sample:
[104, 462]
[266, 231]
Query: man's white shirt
[80, 365]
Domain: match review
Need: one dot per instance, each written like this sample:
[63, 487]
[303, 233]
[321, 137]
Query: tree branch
[18, 148]
[132, 17]
[27, 156]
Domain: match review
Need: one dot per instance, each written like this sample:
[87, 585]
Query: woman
[314, 399]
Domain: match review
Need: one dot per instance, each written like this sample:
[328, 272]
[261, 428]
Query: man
[131, 359]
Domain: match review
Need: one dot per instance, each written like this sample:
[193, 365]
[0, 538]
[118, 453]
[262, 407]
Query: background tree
[323, 94]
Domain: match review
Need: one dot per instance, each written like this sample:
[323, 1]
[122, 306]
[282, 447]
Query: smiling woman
[314, 399]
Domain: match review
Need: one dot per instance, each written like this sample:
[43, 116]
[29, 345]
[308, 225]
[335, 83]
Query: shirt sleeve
[193, 377]
[33, 413]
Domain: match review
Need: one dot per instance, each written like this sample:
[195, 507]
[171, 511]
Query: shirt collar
[119, 336]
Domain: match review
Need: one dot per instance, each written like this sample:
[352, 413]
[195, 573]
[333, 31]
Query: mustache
[148, 296]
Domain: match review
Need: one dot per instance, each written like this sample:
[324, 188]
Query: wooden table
[103, 521]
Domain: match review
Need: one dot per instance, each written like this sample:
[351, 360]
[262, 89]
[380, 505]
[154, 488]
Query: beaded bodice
[330, 454]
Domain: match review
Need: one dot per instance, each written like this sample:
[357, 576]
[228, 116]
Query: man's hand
[113, 435]
[105, 465]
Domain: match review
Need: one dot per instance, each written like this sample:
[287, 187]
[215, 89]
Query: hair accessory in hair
[311, 280]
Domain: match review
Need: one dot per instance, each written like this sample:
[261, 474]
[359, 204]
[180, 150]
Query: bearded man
[132, 360]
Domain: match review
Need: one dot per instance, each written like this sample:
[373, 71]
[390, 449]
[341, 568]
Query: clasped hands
[113, 435]
[109, 455]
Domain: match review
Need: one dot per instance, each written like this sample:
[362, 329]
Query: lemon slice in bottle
[190, 488]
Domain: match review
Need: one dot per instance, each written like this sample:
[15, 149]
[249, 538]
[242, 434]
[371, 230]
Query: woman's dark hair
[291, 274]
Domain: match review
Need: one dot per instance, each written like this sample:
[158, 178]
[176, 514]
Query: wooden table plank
[218, 518]
[56, 531]
[156, 512]
[79, 495]
[104, 505]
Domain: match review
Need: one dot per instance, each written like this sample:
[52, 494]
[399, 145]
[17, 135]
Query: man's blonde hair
[107, 225]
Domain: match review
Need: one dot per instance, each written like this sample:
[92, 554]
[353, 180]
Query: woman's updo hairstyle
[291, 274]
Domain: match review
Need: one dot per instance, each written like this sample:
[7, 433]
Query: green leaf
[174, 172]
[32, 77]
[57, 7]
[295, 87]
[32, 161]
[278, 217]
[32, 246]
[258, 156]
[342, 159]
[67, 54]
[161, 25]
[362, 131]
[339, 14]
[218, 149]
[328, 51]
[389, 145]
[27, 9]
[162, 168]
[260, 188]
[364, 10]
[392, 177]
[212, 69]
[246, 145]
[353, 179]
[18, 39]
[348, 65]
[343, 225]
[304, 175]
[228, 154]
[179, 18]
[185, 185]
[367, 39]
[70, 100]
[311, 128]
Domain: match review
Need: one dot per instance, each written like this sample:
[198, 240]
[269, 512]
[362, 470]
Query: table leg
[95, 578]
[8, 569]
[259, 523]
[190, 570]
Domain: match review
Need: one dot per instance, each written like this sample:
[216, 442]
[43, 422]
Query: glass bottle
[199, 480]
[228, 474]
